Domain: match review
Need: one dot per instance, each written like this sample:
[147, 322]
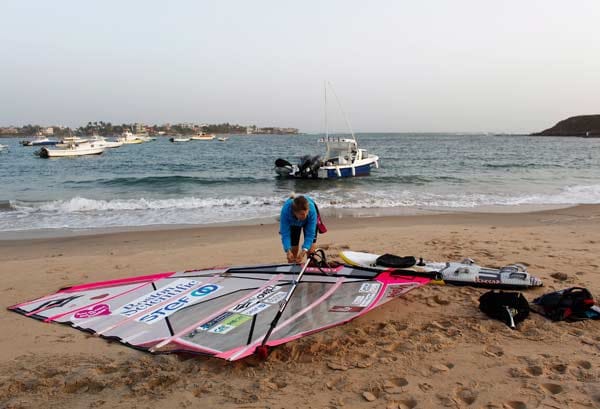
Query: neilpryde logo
[178, 304]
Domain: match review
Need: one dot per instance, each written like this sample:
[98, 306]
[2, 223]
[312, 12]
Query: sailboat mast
[325, 109]
[343, 112]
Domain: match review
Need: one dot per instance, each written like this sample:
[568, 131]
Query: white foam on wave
[85, 213]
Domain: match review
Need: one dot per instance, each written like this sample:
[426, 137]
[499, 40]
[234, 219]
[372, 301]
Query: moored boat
[180, 139]
[343, 158]
[201, 136]
[128, 138]
[39, 140]
[72, 149]
[101, 141]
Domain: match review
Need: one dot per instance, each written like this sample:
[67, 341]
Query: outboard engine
[283, 167]
[309, 165]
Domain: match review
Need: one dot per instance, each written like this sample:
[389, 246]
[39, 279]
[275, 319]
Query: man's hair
[299, 203]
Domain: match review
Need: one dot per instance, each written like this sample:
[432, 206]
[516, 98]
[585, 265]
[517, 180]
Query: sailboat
[343, 158]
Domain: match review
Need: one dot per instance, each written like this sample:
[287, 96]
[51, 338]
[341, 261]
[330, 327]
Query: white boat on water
[3, 147]
[180, 139]
[69, 140]
[72, 149]
[343, 158]
[222, 138]
[101, 141]
[128, 138]
[203, 137]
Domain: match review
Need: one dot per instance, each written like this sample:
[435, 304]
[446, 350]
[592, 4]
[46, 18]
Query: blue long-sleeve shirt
[288, 219]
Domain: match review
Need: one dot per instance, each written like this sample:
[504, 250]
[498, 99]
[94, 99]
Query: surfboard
[465, 272]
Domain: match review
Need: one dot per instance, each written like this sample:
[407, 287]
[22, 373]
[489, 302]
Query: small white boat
[180, 139]
[3, 147]
[222, 138]
[203, 137]
[128, 138]
[72, 149]
[101, 141]
[69, 140]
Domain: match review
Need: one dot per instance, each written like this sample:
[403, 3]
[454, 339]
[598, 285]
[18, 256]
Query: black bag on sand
[389, 260]
[508, 307]
[570, 304]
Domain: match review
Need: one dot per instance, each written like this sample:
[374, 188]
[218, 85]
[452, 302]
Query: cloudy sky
[397, 66]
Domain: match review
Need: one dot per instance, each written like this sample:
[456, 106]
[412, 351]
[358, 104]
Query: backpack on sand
[508, 307]
[569, 304]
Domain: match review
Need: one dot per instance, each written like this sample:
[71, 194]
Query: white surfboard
[465, 272]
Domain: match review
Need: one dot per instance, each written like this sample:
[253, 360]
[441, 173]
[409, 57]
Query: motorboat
[73, 148]
[343, 158]
[3, 147]
[222, 138]
[201, 136]
[101, 141]
[180, 139]
[39, 140]
[69, 140]
[129, 138]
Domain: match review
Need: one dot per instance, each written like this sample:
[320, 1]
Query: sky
[396, 66]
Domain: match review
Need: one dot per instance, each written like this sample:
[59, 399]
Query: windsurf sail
[222, 312]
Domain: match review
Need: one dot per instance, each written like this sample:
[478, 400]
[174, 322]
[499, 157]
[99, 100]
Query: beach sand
[432, 348]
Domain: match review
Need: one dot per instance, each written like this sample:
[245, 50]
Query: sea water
[161, 183]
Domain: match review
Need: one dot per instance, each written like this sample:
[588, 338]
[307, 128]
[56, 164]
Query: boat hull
[61, 153]
[334, 172]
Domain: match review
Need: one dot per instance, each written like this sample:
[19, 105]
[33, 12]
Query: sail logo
[161, 295]
[95, 311]
[265, 293]
[230, 323]
[178, 304]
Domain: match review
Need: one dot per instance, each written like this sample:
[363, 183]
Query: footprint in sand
[494, 351]
[466, 395]
[515, 404]
[425, 387]
[552, 388]
[560, 368]
[395, 385]
[409, 403]
[584, 364]
[535, 370]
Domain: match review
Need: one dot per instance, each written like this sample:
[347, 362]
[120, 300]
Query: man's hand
[290, 257]
[300, 257]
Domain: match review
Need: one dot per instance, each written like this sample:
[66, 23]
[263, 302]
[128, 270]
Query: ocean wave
[82, 204]
[80, 212]
[517, 165]
[164, 181]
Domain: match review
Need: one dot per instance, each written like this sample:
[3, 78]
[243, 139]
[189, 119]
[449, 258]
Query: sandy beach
[432, 348]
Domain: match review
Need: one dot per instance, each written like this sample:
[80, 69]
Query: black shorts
[295, 234]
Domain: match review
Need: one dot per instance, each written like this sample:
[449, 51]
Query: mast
[341, 109]
[325, 109]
